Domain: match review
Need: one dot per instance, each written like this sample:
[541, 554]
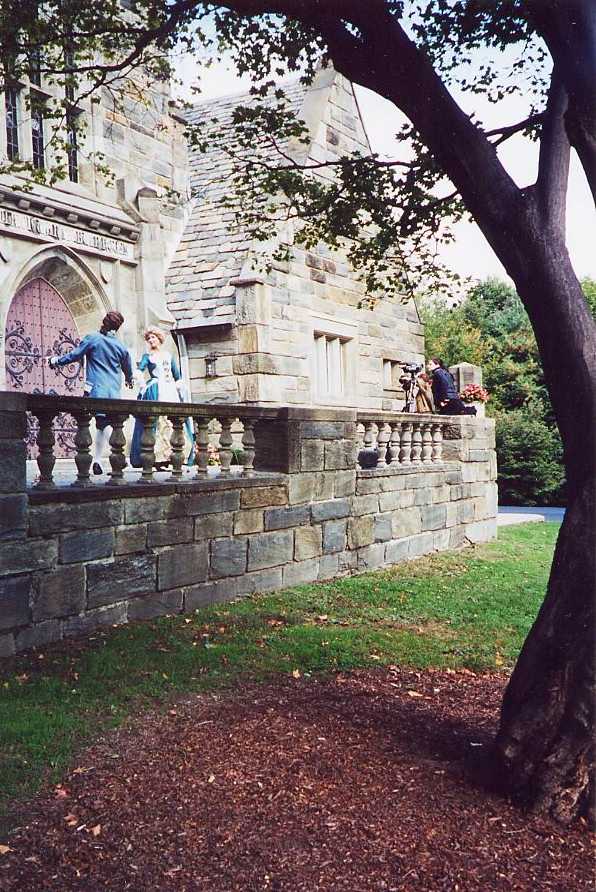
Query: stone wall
[267, 356]
[73, 559]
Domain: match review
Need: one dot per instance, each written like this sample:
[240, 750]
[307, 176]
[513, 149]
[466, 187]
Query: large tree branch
[379, 54]
[308, 11]
[569, 29]
[382, 57]
[388, 62]
[553, 164]
[504, 133]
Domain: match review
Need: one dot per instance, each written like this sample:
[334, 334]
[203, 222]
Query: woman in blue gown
[164, 384]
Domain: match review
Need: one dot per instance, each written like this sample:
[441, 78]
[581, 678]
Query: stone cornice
[117, 226]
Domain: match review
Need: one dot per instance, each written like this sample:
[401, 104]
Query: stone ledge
[101, 493]
[419, 468]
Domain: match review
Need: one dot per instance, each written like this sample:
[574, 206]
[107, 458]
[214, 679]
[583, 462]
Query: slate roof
[209, 254]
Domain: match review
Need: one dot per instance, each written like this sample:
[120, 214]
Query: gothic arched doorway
[39, 324]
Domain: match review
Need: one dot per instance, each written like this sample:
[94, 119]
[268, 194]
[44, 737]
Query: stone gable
[266, 328]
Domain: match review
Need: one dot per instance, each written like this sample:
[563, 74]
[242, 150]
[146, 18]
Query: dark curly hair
[111, 321]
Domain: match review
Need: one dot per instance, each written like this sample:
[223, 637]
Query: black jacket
[443, 386]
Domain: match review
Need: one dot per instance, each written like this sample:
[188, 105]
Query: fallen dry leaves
[359, 782]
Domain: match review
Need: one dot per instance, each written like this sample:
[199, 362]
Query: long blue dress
[164, 373]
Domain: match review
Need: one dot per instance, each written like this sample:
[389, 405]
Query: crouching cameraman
[445, 395]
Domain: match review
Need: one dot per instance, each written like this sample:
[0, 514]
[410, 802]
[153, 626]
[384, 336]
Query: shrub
[530, 460]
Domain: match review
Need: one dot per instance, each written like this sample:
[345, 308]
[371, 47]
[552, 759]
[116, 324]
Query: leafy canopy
[390, 216]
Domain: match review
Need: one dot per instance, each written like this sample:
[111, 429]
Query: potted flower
[475, 395]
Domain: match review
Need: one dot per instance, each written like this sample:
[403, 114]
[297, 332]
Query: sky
[470, 255]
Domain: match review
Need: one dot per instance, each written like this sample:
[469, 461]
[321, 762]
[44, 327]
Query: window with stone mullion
[72, 113]
[37, 134]
[330, 368]
[72, 149]
[11, 103]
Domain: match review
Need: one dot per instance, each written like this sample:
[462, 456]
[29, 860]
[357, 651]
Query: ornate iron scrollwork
[73, 372]
[21, 355]
[65, 428]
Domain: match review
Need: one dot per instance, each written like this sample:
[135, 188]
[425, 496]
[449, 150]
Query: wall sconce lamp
[210, 365]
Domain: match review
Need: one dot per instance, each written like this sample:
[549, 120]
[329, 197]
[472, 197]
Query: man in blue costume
[106, 358]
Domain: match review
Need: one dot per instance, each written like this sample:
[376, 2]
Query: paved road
[509, 515]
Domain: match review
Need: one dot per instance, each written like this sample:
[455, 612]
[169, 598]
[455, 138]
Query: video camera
[412, 368]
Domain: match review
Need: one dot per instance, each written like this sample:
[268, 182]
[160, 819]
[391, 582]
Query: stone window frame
[29, 93]
[37, 124]
[17, 90]
[391, 372]
[344, 337]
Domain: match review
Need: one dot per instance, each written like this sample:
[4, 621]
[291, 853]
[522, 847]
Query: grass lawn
[467, 609]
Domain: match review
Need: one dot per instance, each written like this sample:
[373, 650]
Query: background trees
[489, 327]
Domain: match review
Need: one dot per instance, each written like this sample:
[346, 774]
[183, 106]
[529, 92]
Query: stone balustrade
[390, 439]
[46, 408]
[384, 439]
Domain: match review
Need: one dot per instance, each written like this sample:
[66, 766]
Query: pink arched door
[39, 325]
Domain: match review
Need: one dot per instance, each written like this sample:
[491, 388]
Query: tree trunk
[545, 745]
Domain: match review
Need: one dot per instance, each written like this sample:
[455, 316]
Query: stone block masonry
[78, 559]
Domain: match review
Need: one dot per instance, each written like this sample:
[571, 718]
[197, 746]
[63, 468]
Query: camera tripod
[410, 386]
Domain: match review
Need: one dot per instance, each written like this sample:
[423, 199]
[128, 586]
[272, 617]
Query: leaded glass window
[11, 101]
[37, 137]
[72, 149]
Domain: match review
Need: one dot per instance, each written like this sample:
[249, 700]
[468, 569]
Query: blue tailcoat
[107, 358]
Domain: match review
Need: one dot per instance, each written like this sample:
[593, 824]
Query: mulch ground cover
[356, 782]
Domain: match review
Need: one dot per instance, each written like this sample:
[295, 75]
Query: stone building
[73, 251]
[155, 243]
[298, 334]
[314, 370]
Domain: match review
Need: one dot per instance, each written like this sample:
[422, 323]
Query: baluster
[437, 441]
[83, 441]
[225, 444]
[369, 434]
[366, 456]
[201, 445]
[148, 448]
[45, 443]
[416, 442]
[359, 437]
[394, 442]
[117, 444]
[177, 443]
[405, 443]
[248, 445]
[427, 445]
[383, 436]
